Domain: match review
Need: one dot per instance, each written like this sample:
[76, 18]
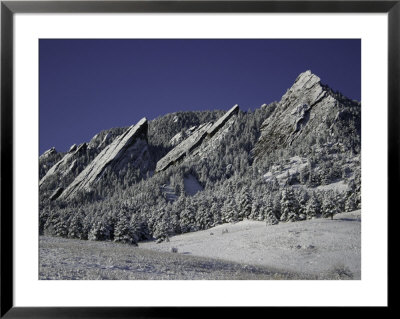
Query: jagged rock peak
[305, 80]
[48, 152]
[60, 168]
[113, 157]
[307, 88]
[307, 110]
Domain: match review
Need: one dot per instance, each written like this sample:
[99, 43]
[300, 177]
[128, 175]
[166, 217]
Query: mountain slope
[206, 130]
[291, 160]
[311, 112]
[130, 147]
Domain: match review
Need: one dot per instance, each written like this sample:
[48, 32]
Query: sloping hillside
[316, 247]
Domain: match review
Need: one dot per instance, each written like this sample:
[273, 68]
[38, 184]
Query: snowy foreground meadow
[314, 249]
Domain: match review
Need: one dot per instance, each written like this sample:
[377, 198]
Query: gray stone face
[59, 169]
[183, 148]
[105, 141]
[47, 160]
[222, 120]
[102, 139]
[197, 137]
[48, 153]
[130, 147]
[307, 108]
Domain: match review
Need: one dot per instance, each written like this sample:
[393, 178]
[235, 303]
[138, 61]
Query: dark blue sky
[90, 85]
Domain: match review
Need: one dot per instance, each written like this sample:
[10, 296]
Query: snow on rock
[130, 147]
[213, 142]
[47, 160]
[47, 153]
[105, 141]
[72, 148]
[222, 120]
[93, 142]
[179, 137]
[196, 138]
[58, 170]
[192, 185]
[104, 138]
[307, 108]
[183, 148]
[282, 171]
[71, 168]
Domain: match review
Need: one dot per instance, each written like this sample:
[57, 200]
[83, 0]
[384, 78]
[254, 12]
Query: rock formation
[308, 109]
[130, 147]
[58, 170]
[206, 130]
[47, 160]
[47, 153]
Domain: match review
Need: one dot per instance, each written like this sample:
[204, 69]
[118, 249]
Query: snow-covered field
[318, 247]
[315, 249]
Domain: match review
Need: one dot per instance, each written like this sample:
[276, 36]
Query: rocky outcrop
[222, 120]
[128, 148]
[183, 148]
[308, 110]
[196, 138]
[179, 137]
[105, 138]
[58, 170]
[48, 153]
[47, 160]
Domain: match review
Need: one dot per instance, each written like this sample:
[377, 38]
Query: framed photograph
[160, 155]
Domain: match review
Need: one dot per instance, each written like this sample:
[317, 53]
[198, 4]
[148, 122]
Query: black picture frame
[9, 8]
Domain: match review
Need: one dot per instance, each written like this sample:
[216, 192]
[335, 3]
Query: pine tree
[75, 229]
[289, 206]
[99, 231]
[187, 220]
[340, 201]
[256, 211]
[269, 212]
[229, 211]
[61, 226]
[215, 210]
[313, 179]
[329, 208]
[350, 203]
[302, 198]
[123, 231]
[276, 198]
[244, 204]
[313, 207]
[139, 227]
[163, 228]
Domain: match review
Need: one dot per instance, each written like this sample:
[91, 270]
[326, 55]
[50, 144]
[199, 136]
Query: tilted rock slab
[59, 169]
[129, 147]
[307, 108]
[194, 140]
[222, 120]
[47, 153]
[183, 148]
